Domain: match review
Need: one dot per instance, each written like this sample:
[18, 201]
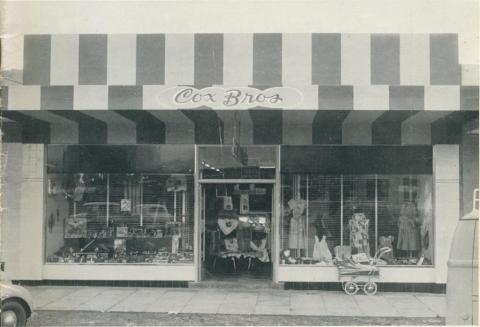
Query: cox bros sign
[230, 98]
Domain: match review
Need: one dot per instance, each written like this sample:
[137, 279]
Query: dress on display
[408, 233]
[297, 234]
[359, 233]
[297, 238]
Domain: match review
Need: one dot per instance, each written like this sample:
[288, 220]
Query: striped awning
[241, 71]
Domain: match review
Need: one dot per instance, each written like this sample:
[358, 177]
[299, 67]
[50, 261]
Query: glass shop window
[119, 218]
[337, 217]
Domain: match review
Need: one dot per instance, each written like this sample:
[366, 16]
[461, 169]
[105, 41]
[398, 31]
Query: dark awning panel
[121, 159]
[379, 159]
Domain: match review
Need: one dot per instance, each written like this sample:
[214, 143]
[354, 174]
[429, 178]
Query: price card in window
[126, 205]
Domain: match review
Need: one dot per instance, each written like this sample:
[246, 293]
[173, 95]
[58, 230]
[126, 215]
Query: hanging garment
[175, 243]
[260, 250]
[227, 225]
[244, 236]
[244, 204]
[359, 233]
[408, 238]
[297, 234]
[408, 233]
[427, 238]
[321, 252]
[227, 203]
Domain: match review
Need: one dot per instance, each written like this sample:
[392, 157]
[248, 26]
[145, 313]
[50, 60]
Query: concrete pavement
[237, 301]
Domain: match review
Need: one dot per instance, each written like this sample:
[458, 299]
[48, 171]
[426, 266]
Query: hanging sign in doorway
[244, 204]
[230, 98]
[238, 152]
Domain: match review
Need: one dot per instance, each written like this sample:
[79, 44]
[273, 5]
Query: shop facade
[188, 157]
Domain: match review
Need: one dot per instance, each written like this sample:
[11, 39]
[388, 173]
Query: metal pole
[175, 206]
[141, 200]
[376, 213]
[307, 220]
[108, 198]
[341, 210]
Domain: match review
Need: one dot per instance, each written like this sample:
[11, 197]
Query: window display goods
[329, 218]
[120, 219]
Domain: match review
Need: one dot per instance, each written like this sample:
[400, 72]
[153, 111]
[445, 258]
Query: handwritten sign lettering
[230, 98]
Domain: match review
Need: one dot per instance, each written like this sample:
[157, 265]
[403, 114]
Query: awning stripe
[326, 59]
[179, 59]
[414, 59]
[267, 59]
[122, 59]
[92, 68]
[355, 59]
[64, 52]
[385, 59]
[323, 97]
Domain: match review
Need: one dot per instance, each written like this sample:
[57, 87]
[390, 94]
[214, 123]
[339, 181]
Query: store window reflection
[329, 217]
[119, 218]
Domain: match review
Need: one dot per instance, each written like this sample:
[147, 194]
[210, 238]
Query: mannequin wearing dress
[359, 241]
[408, 231]
[297, 238]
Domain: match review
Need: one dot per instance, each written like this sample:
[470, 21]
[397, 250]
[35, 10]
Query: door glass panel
[227, 162]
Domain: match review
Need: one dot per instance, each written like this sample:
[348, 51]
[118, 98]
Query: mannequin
[408, 232]
[297, 240]
[359, 233]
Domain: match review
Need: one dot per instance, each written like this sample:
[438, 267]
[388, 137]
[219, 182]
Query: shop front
[281, 213]
[217, 163]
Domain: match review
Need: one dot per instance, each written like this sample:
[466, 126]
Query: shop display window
[333, 217]
[119, 218]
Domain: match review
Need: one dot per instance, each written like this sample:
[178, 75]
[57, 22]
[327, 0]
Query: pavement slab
[341, 304]
[375, 306]
[105, 300]
[205, 302]
[138, 301]
[306, 304]
[437, 304]
[409, 306]
[239, 303]
[171, 301]
[44, 296]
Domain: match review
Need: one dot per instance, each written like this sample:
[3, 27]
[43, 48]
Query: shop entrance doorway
[237, 225]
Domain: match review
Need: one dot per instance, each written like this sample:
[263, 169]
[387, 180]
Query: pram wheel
[370, 288]
[351, 288]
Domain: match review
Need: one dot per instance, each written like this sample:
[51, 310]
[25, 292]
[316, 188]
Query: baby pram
[354, 275]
